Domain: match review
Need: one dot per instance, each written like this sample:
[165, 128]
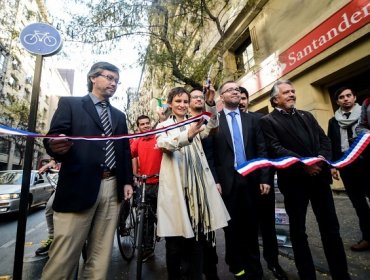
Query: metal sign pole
[28, 158]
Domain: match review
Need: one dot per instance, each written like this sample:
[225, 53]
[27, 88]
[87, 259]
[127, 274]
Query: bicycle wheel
[126, 230]
[139, 261]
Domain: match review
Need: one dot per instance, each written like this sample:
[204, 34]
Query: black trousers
[184, 258]
[296, 197]
[210, 260]
[266, 212]
[241, 234]
[356, 179]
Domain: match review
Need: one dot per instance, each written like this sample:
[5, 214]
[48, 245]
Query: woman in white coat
[189, 206]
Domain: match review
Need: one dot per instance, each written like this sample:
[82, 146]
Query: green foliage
[171, 25]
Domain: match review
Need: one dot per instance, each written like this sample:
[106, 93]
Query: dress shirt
[229, 123]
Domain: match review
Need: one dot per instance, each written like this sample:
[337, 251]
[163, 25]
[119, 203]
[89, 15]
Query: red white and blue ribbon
[5, 130]
[359, 145]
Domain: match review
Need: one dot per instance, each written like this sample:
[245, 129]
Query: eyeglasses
[230, 90]
[198, 97]
[111, 79]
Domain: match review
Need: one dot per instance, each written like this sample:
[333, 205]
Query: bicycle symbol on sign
[39, 36]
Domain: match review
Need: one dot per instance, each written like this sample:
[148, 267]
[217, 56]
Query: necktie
[238, 142]
[349, 129]
[110, 159]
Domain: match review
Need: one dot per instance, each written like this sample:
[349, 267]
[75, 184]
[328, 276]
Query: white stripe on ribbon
[359, 145]
[5, 130]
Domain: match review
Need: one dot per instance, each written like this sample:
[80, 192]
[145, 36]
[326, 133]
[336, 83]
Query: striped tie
[110, 159]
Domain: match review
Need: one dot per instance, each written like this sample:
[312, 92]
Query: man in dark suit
[342, 131]
[239, 138]
[296, 133]
[266, 210]
[94, 178]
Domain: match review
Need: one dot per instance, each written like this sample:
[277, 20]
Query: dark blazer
[254, 147]
[334, 135]
[81, 170]
[282, 141]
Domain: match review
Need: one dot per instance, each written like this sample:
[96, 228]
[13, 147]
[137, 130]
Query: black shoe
[278, 271]
[147, 254]
[44, 249]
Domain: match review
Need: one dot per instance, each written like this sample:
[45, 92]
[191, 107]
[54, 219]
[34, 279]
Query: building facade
[318, 45]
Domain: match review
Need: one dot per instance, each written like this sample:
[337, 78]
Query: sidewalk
[358, 262]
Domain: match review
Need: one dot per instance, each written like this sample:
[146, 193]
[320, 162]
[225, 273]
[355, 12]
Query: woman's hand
[195, 128]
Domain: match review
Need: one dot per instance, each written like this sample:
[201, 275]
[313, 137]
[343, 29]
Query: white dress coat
[172, 213]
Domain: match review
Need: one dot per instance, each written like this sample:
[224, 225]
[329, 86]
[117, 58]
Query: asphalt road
[155, 269]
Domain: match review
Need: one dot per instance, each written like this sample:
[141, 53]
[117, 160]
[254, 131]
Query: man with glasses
[266, 210]
[95, 176]
[196, 107]
[237, 140]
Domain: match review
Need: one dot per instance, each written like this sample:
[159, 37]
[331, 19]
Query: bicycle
[133, 219]
[39, 36]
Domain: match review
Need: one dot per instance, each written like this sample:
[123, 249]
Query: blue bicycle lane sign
[41, 39]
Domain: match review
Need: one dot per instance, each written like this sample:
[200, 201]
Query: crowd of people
[199, 189]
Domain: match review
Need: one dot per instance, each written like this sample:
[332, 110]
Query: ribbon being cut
[359, 145]
[5, 130]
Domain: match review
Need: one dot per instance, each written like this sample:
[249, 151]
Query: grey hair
[96, 69]
[275, 90]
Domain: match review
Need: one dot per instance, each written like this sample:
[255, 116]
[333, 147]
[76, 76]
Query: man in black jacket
[296, 133]
[342, 132]
[94, 177]
[266, 210]
[237, 139]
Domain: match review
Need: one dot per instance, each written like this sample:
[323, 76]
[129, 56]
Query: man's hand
[334, 173]
[60, 146]
[313, 169]
[127, 191]
[265, 188]
[210, 95]
[161, 114]
[49, 165]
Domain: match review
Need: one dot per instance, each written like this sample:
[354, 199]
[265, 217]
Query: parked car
[10, 190]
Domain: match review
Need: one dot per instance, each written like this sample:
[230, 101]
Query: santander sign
[344, 22]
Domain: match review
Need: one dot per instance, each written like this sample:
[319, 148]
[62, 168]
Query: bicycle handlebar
[145, 177]
[52, 170]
